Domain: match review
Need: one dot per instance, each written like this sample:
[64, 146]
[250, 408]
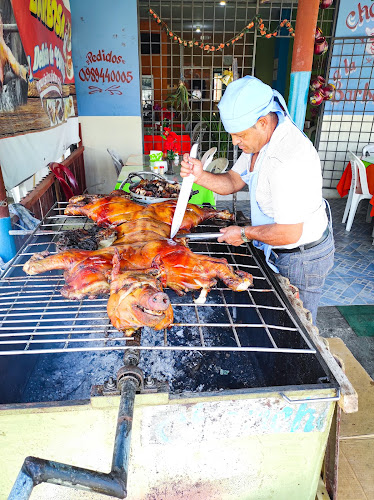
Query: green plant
[180, 98]
[219, 137]
[170, 154]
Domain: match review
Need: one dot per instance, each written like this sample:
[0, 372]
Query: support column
[7, 244]
[302, 59]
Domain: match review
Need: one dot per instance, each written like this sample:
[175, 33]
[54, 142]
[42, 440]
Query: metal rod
[35, 471]
[164, 348]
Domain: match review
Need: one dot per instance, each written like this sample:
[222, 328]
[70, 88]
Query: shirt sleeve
[294, 189]
[242, 163]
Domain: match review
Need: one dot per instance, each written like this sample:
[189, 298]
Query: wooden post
[7, 244]
[302, 59]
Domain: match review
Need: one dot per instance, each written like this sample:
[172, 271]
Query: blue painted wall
[351, 71]
[106, 57]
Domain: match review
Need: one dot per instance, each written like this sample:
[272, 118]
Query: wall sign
[36, 87]
[353, 60]
[106, 57]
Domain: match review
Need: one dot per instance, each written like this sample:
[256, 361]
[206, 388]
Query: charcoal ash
[92, 238]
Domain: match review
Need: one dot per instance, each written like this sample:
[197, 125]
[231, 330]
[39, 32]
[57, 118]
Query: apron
[258, 217]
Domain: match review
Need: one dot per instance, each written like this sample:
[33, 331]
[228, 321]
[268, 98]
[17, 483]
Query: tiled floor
[351, 282]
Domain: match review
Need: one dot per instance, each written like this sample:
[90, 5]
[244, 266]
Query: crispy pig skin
[137, 299]
[141, 261]
[114, 210]
[184, 270]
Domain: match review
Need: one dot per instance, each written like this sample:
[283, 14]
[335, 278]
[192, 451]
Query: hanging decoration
[325, 4]
[227, 77]
[256, 23]
[321, 91]
[320, 43]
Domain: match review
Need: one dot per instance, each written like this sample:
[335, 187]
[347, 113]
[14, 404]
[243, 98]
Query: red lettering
[339, 94]
[349, 69]
[82, 75]
[361, 11]
[350, 21]
[367, 94]
[129, 76]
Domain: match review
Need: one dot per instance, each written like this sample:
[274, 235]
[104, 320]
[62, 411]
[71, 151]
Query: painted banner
[353, 60]
[106, 57]
[36, 86]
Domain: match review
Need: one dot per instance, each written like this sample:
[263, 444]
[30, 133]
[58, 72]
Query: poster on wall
[352, 59]
[106, 57]
[37, 90]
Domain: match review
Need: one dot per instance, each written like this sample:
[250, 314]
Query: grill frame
[90, 328]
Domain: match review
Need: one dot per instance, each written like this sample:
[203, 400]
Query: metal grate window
[210, 23]
[347, 122]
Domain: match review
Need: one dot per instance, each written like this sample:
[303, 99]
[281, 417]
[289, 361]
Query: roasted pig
[88, 273]
[114, 210]
[137, 299]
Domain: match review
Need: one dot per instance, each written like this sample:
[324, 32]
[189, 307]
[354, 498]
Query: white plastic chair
[218, 166]
[358, 191]
[367, 150]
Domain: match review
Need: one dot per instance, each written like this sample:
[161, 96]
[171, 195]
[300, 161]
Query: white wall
[123, 134]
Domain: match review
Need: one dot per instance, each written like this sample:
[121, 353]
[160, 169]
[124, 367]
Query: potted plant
[169, 148]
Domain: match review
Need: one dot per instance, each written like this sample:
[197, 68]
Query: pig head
[137, 299]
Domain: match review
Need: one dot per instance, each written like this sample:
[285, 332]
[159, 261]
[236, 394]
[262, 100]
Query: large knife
[199, 236]
[184, 196]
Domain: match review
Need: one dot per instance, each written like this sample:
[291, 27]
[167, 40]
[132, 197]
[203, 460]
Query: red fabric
[70, 186]
[183, 144]
[345, 182]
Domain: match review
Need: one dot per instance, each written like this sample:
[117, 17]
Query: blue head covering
[246, 100]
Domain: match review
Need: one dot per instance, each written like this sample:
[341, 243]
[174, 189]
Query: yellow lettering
[49, 15]
[62, 30]
[56, 18]
[33, 6]
[40, 9]
[44, 15]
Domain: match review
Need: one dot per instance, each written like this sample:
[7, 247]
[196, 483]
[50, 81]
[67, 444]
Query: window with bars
[347, 122]
[203, 73]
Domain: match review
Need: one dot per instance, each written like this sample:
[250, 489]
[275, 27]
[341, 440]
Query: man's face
[250, 140]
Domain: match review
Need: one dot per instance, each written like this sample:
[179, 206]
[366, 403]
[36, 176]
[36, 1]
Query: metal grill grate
[35, 318]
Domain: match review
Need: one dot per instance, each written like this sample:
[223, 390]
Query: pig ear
[158, 264]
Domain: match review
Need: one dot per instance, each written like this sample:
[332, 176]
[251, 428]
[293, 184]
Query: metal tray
[141, 198]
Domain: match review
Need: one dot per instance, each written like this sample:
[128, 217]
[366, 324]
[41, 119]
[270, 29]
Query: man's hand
[231, 235]
[191, 165]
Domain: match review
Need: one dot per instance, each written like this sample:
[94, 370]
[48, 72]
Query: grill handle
[311, 400]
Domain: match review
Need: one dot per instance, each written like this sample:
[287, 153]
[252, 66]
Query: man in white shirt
[282, 170]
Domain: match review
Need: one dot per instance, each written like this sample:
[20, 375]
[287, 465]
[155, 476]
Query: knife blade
[184, 196]
[199, 236]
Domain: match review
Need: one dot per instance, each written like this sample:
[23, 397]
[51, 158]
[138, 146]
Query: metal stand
[35, 471]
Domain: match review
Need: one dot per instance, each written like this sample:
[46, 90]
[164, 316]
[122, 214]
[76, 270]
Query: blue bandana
[246, 100]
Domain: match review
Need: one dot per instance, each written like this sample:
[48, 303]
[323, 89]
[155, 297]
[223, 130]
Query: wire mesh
[35, 318]
[347, 122]
[165, 62]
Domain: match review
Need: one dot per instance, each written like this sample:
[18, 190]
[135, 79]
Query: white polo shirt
[289, 185]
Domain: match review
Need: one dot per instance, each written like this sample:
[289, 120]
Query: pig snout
[158, 301]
